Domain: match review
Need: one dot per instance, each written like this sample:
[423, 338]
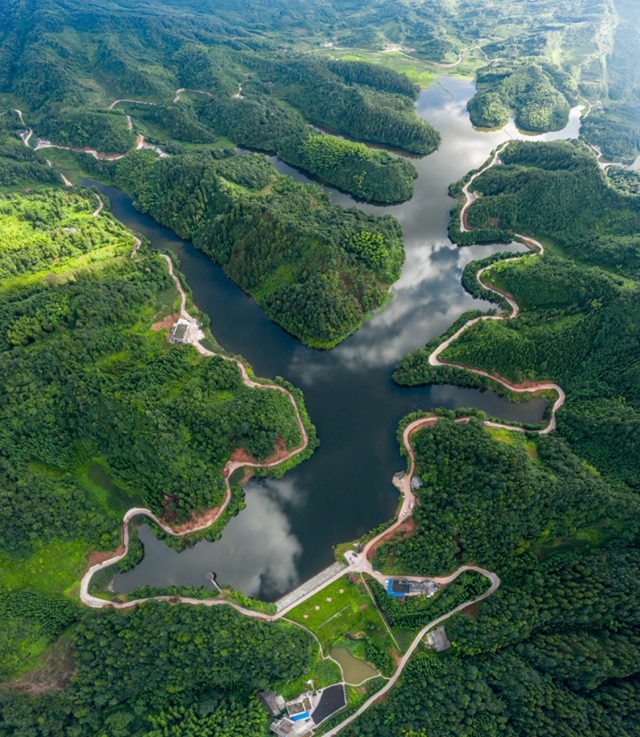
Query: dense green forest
[489, 502]
[94, 53]
[371, 175]
[261, 123]
[90, 382]
[301, 258]
[105, 132]
[177, 121]
[579, 317]
[115, 370]
[379, 109]
[101, 413]
[164, 670]
[556, 649]
[539, 96]
[20, 164]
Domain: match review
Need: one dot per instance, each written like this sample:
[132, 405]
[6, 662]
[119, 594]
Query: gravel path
[434, 360]
[228, 470]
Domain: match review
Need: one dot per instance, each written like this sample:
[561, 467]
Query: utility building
[180, 331]
[438, 639]
[399, 587]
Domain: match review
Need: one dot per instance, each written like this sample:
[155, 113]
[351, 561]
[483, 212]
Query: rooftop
[404, 587]
[438, 639]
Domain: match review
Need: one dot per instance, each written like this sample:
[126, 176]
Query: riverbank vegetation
[374, 176]
[316, 269]
[101, 413]
[361, 100]
[579, 319]
[538, 95]
[532, 657]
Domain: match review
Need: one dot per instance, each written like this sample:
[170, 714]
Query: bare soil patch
[241, 455]
[403, 531]
[165, 323]
[52, 672]
[471, 611]
[95, 556]
[207, 517]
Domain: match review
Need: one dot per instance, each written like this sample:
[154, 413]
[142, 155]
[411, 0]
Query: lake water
[285, 534]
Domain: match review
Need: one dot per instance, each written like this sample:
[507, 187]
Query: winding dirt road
[228, 470]
[40, 144]
[471, 197]
[28, 133]
[187, 89]
[98, 210]
[138, 102]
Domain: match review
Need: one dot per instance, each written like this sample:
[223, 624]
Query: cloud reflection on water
[257, 550]
[286, 532]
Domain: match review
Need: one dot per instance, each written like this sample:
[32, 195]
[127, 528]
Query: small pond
[355, 671]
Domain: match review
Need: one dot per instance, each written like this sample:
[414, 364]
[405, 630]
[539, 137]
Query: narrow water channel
[285, 534]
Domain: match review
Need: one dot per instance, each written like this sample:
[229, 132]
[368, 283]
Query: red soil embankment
[403, 531]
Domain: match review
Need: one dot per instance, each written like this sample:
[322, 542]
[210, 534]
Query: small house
[180, 331]
[438, 639]
[272, 703]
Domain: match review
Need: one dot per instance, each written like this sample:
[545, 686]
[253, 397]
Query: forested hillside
[556, 650]
[101, 414]
[550, 52]
[539, 96]
[107, 133]
[371, 175]
[316, 269]
[579, 321]
[379, 108]
[20, 164]
[161, 669]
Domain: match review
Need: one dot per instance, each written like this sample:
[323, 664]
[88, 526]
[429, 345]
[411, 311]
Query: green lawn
[350, 619]
[53, 569]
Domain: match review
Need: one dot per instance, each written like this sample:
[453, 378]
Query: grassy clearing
[345, 614]
[53, 569]
[337, 608]
[113, 498]
[420, 72]
[21, 643]
[504, 436]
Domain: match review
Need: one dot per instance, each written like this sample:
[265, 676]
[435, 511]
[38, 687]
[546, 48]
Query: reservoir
[286, 533]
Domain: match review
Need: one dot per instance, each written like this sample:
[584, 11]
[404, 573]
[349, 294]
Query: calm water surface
[285, 534]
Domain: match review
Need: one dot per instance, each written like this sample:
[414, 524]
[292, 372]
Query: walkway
[356, 562]
[434, 360]
[229, 467]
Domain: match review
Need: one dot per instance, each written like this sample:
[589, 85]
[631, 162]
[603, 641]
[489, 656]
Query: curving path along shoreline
[357, 562]
[228, 470]
[470, 198]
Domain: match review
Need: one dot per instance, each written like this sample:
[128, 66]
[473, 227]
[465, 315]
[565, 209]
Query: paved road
[357, 562]
[28, 133]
